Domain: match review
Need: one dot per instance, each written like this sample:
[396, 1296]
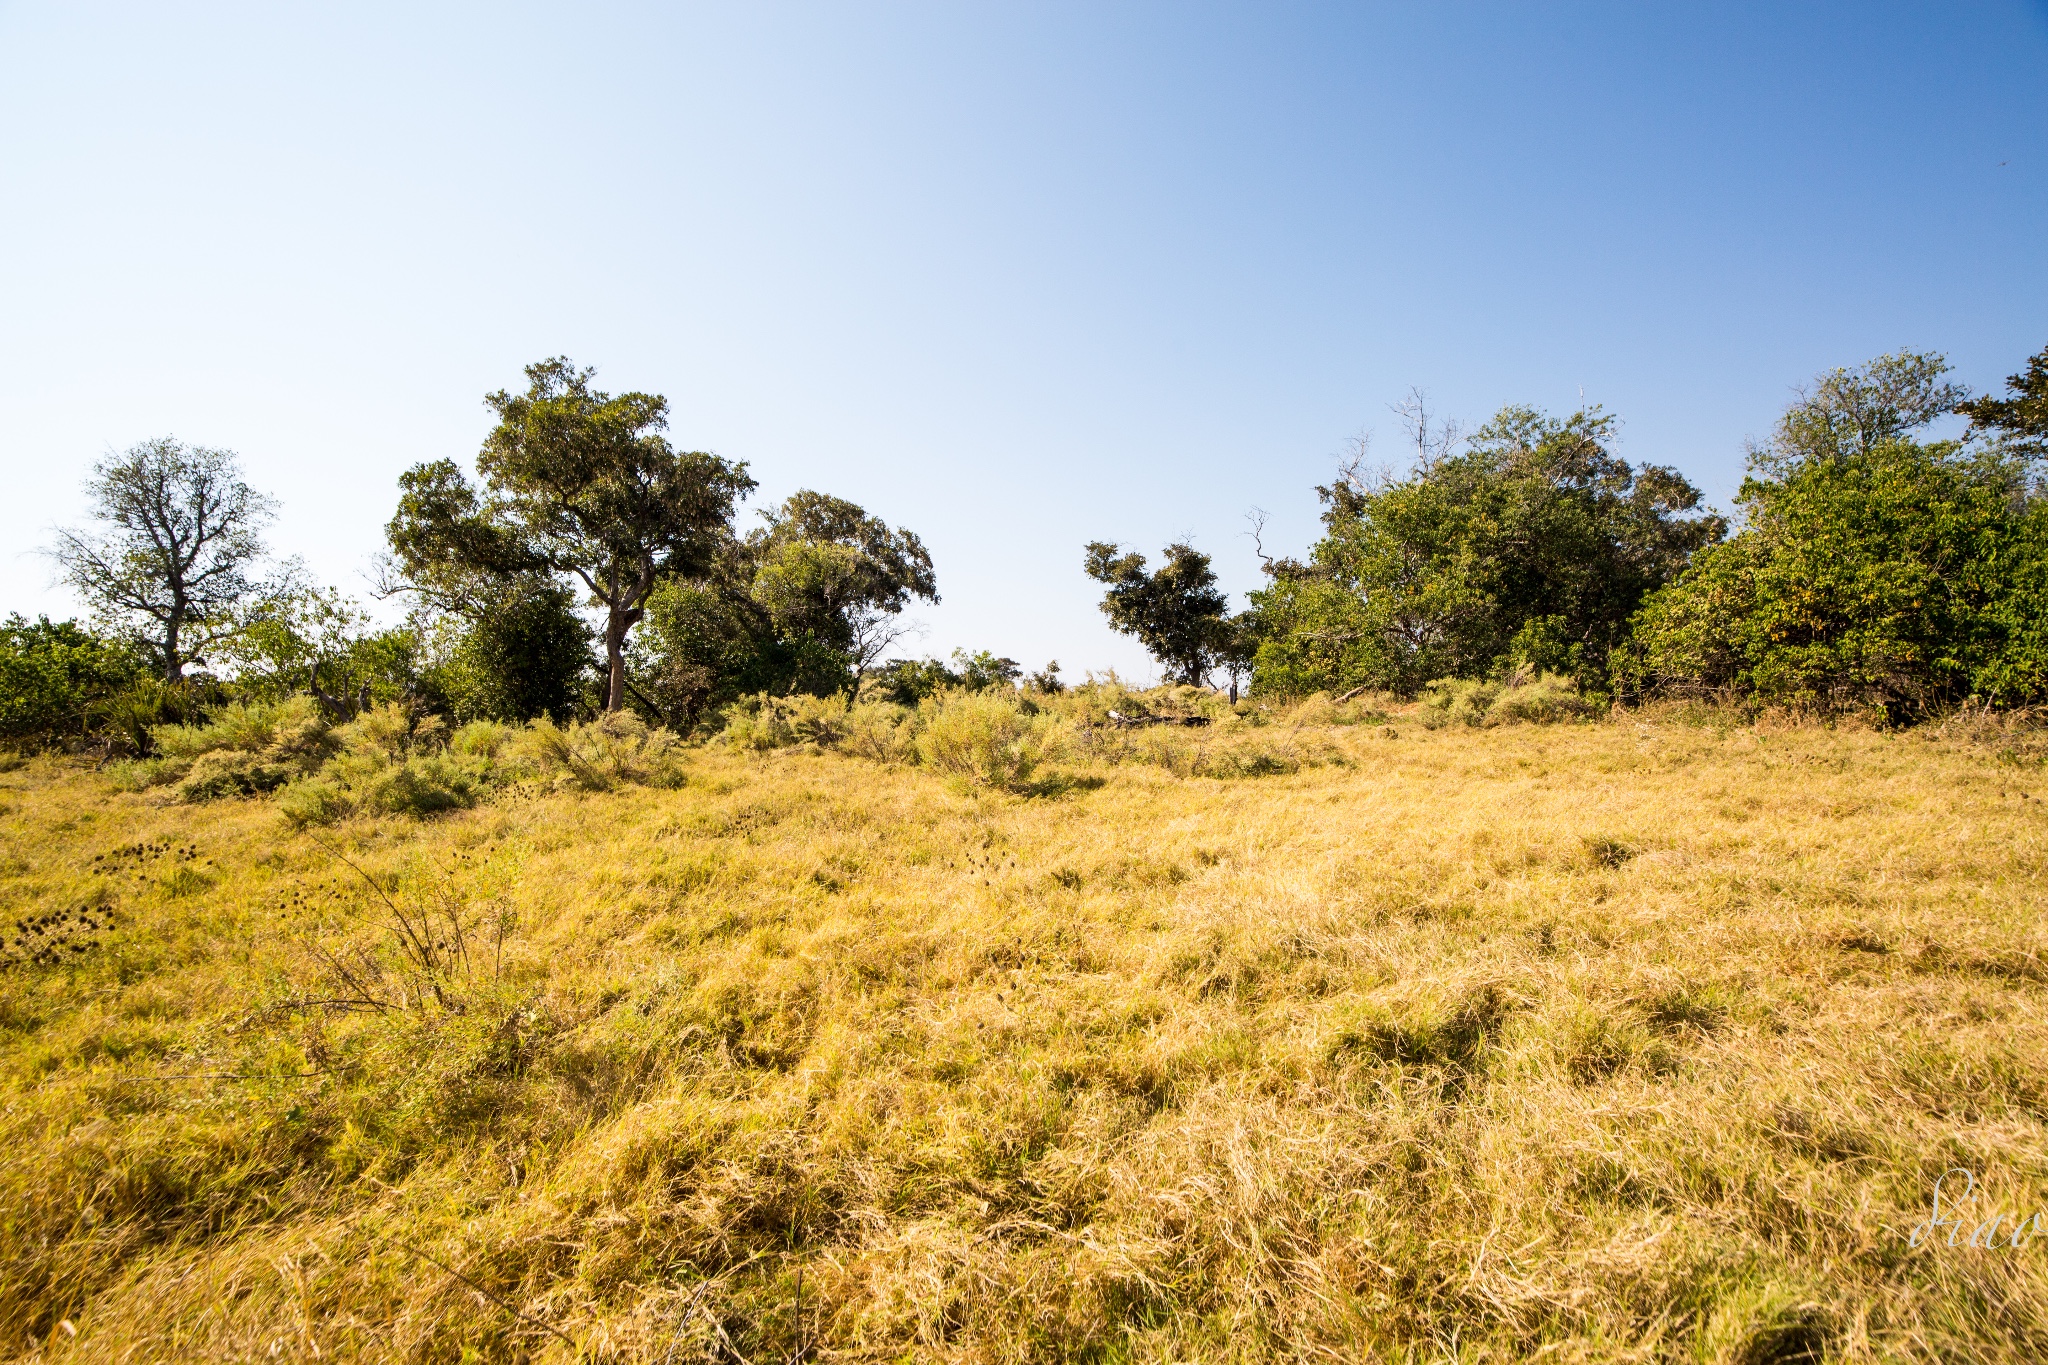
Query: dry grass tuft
[1641, 1038]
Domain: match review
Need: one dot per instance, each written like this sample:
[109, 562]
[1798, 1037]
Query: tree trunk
[617, 623]
[174, 666]
[615, 628]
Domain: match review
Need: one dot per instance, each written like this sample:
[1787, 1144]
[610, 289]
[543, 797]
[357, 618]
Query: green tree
[521, 654]
[1176, 612]
[983, 670]
[575, 482]
[807, 603]
[1850, 412]
[314, 640]
[1533, 544]
[173, 551]
[907, 682]
[835, 582]
[1046, 680]
[706, 643]
[1875, 571]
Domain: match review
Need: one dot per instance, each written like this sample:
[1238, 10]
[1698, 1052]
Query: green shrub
[1520, 698]
[1457, 701]
[1876, 572]
[482, 739]
[1541, 699]
[392, 762]
[1532, 545]
[762, 722]
[366, 782]
[881, 732]
[293, 727]
[524, 654]
[243, 749]
[232, 772]
[55, 680]
[611, 751]
[986, 737]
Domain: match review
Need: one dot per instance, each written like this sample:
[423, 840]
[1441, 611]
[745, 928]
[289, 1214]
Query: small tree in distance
[1177, 613]
[178, 534]
[836, 580]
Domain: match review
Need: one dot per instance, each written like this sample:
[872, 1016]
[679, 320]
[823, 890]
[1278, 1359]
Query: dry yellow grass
[1631, 1040]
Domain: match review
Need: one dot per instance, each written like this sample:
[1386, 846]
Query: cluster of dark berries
[299, 899]
[988, 864]
[112, 864]
[49, 939]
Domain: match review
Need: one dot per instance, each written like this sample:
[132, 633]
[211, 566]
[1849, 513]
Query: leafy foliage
[1876, 572]
[835, 580]
[1176, 612]
[576, 482]
[1533, 546]
[805, 605]
[315, 641]
[522, 654]
[2020, 418]
[906, 682]
[58, 680]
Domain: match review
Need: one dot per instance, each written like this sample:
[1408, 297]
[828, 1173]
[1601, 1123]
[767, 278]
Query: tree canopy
[1533, 544]
[1176, 611]
[53, 677]
[830, 576]
[2020, 418]
[577, 482]
[808, 602]
[1876, 571]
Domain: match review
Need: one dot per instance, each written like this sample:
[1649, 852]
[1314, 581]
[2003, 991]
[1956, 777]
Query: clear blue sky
[1015, 277]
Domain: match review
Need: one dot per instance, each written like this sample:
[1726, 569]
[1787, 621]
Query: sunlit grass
[1635, 1039]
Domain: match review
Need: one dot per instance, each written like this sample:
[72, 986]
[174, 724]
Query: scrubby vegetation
[395, 760]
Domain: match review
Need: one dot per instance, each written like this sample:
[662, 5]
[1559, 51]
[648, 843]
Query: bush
[244, 749]
[1521, 697]
[611, 751]
[364, 782]
[881, 732]
[1877, 573]
[525, 654]
[1540, 699]
[762, 722]
[1535, 544]
[392, 762]
[987, 737]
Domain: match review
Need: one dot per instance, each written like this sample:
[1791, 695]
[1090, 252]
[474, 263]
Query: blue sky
[1015, 277]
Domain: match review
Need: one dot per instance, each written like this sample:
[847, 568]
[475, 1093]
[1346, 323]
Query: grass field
[1636, 1039]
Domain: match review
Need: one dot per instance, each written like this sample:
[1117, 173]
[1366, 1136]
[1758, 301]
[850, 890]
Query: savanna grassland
[1644, 1038]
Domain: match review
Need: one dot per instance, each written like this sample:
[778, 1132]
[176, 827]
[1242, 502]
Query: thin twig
[444, 1267]
[223, 1076]
[683, 1320]
[357, 870]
